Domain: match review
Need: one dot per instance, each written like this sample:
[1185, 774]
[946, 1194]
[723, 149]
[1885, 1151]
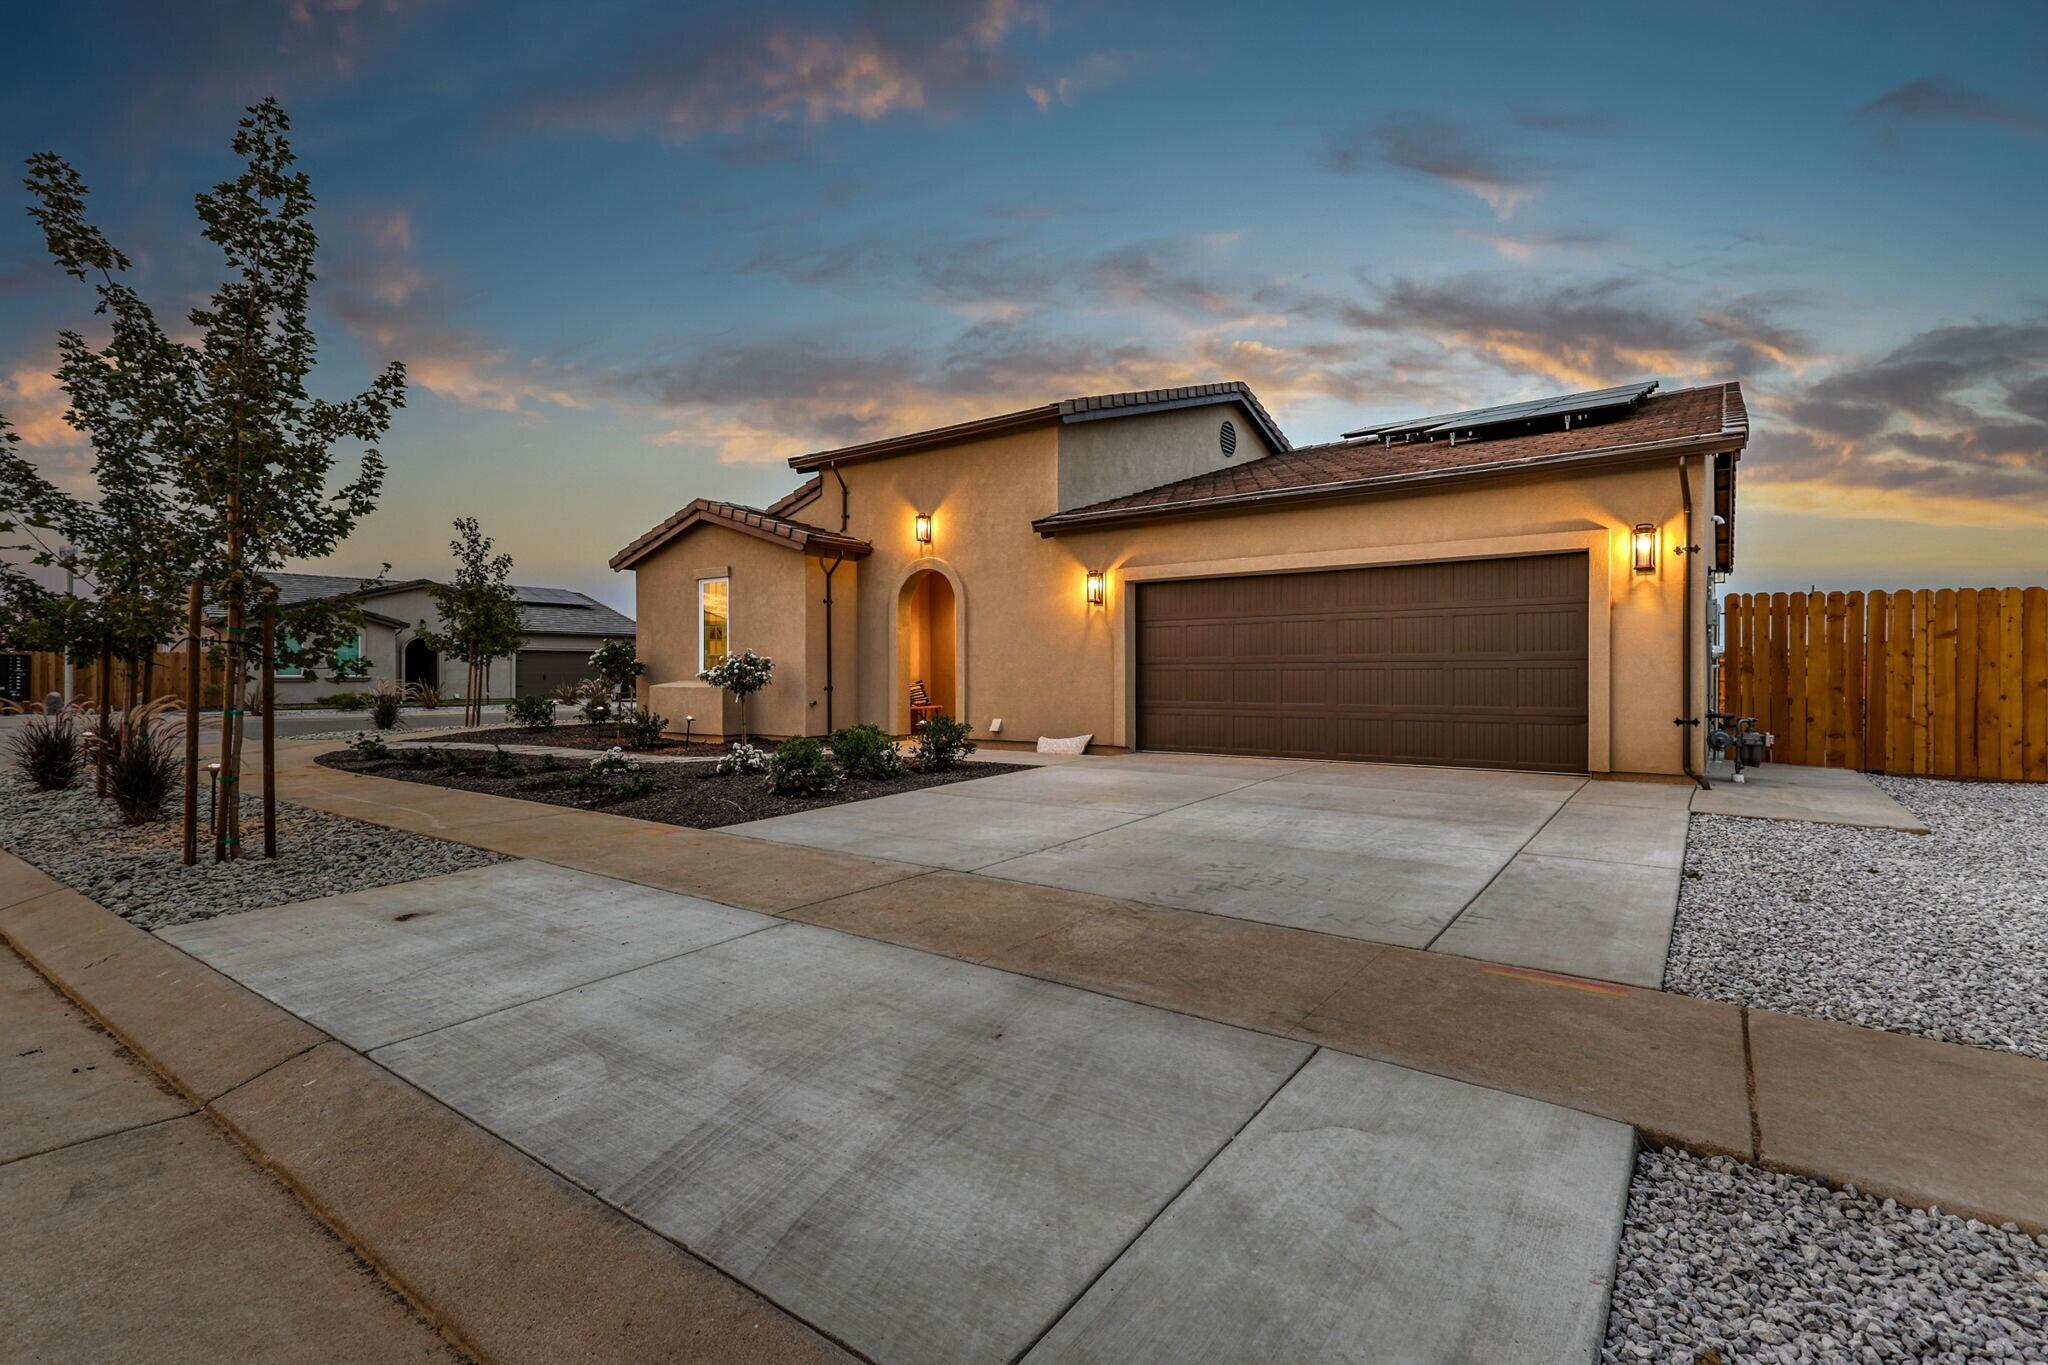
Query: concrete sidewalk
[137, 1230]
[932, 1161]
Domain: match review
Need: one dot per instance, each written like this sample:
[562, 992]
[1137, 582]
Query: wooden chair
[921, 708]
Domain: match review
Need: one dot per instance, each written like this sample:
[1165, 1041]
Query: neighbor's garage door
[541, 671]
[1480, 662]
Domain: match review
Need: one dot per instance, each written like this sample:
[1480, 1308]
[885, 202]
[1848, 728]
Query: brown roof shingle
[1066, 410]
[1684, 415]
[797, 535]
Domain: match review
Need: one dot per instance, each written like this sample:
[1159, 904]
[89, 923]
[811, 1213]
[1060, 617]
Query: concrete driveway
[931, 1160]
[1536, 870]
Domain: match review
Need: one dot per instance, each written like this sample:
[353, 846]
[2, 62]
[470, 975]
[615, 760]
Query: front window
[348, 654]
[714, 621]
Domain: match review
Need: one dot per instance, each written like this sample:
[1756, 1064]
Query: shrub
[367, 746]
[426, 696]
[742, 674]
[549, 763]
[867, 751]
[345, 701]
[942, 744]
[415, 758]
[642, 728]
[46, 751]
[533, 712]
[385, 699]
[639, 784]
[568, 694]
[801, 767]
[612, 760]
[596, 704]
[743, 758]
[500, 763]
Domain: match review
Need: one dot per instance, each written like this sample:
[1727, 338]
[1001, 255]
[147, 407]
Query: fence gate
[1947, 682]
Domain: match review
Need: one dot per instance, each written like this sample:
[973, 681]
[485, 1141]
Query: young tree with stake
[247, 451]
[480, 618]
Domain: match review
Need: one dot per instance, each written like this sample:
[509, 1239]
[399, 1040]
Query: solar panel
[549, 597]
[1507, 414]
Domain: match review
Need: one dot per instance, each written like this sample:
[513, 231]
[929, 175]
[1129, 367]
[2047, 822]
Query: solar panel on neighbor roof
[549, 597]
[1593, 400]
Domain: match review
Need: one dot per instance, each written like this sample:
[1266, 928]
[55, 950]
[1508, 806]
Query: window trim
[702, 584]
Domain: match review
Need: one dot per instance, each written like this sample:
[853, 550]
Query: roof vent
[1227, 438]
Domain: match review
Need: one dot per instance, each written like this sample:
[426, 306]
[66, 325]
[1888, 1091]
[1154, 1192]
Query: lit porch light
[921, 527]
[1093, 586]
[1645, 543]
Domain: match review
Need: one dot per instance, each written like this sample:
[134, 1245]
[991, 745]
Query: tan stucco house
[1522, 587]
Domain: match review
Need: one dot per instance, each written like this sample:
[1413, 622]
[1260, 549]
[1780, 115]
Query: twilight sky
[636, 253]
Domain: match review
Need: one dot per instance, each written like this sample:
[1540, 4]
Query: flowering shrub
[743, 758]
[612, 760]
[801, 767]
[615, 662]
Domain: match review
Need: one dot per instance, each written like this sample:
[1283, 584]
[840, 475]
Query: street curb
[507, 1259]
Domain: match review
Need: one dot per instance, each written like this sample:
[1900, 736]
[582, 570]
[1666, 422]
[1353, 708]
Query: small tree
[480, 618]
[615, 662]
[742, 674]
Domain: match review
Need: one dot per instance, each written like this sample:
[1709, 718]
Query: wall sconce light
[922, 528]
[1645, 543]
[1094, 587]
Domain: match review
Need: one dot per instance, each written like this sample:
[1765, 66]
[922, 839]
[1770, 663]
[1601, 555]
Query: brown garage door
[541, 671]
[1479, 662]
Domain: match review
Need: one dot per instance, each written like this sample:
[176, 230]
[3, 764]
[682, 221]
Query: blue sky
[639, 253]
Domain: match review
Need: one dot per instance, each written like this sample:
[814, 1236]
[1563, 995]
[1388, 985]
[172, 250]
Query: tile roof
[1704, 414]
[797, 535]
[1066, 410]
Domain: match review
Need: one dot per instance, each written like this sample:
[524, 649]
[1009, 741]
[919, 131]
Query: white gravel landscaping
[138, 871]
[1943, 935]
[1722, 1261]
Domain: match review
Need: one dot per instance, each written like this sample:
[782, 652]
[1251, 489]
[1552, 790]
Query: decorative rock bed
[1721, 1261]
[1943, 935]
[137, 870]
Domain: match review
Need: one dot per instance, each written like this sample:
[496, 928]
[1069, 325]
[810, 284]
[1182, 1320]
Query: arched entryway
[422, 665]
[927, 648]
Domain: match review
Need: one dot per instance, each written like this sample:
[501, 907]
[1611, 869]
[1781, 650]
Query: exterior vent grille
[1227, 438]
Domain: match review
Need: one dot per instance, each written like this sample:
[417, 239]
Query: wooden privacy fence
[1948, 682]
[167, 679]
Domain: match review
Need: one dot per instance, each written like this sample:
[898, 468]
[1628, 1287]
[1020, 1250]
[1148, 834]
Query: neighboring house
[562, 628]
[1522, 587]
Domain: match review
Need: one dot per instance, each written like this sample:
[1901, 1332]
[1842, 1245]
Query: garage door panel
[1480, 662]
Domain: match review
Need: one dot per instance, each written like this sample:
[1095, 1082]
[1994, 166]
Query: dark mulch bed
[578, 736]
[687, 794]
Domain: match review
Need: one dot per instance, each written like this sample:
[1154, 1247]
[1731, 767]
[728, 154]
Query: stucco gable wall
[772, 601]
[1114, 456]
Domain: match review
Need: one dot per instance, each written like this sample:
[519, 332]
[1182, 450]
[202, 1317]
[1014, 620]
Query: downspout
[1687, 722]
[829, 569]
[845, 515]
